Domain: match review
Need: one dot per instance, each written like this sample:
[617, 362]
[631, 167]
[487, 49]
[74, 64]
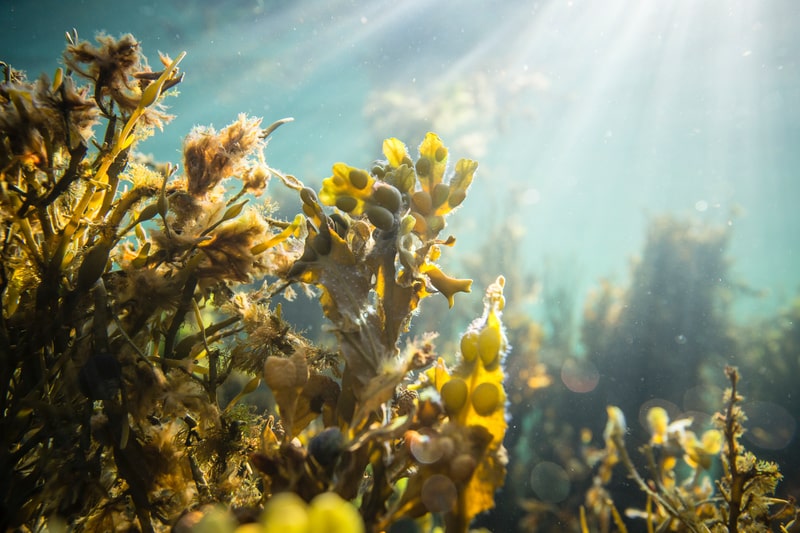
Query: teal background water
[587, 117]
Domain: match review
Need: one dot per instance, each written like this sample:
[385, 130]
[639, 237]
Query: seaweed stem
[737, 481]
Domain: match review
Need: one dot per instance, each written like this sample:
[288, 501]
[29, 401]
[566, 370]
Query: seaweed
[674, 312]
[690, 499]
[131, 300]
[671, 320]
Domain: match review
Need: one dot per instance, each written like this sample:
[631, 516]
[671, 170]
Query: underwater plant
[373, 262]
[768, 352]
[555, 449]
[128, 302]
[691, 497]
[672, 318]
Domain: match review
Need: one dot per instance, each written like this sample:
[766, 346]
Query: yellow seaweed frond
[348, 188]
[432, 162]
[475, 400]
[395, 151]
[445, 284]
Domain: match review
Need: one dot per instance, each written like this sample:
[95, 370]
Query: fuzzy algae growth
[123, 407]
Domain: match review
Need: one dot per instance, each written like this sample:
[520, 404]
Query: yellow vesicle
[469, 346]
[454, 395]
[486, 406]
[486, 398]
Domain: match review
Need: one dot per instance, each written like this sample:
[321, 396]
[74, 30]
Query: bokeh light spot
[769, 426]
[425, 449]
[579, 376]
[550, 482]
[673, 411]
[439, 494]
[705, 398]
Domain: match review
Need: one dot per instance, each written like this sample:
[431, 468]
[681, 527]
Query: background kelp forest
[209, 344]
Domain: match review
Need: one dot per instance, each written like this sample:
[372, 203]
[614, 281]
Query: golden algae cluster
[373, 260]
[683, 488]
[131, 335]
[475, 402]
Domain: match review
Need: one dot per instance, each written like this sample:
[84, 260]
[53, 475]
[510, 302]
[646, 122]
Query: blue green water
[587, 117]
